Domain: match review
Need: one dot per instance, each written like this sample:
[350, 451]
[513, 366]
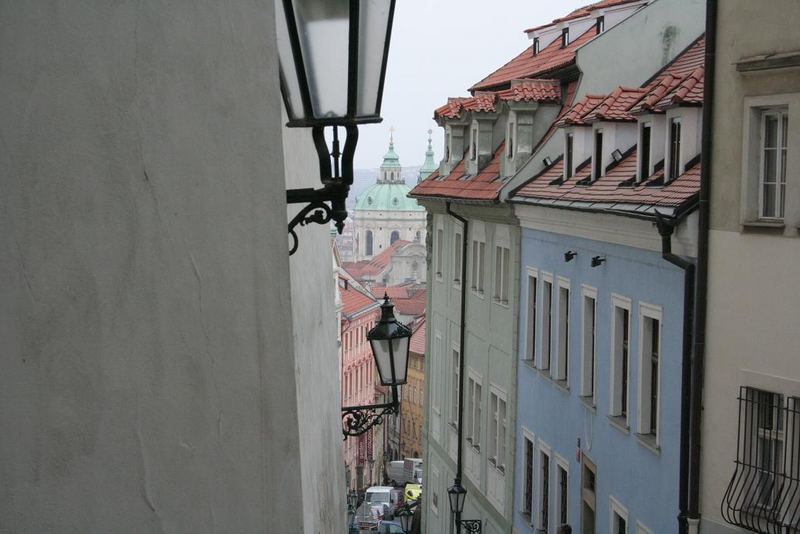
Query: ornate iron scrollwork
[315, 212]
[471, 525]
[358, 419]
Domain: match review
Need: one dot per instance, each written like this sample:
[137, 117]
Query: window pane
[770, 131]
[769, 200]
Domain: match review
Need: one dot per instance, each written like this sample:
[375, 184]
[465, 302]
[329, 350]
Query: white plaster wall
[148, 382]
[382, 224]
[316, 354]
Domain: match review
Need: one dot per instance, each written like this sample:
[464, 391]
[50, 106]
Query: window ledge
[770, 226]
[478, 293]
[589, 402]
[499, 302]
[453, 426]
[530, 364]
[563, 385]
[456, 285]
[648, 441]
[620, 422]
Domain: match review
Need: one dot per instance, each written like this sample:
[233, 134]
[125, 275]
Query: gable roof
[417, 343]
[355, 301]
[376, 265]
[584, 11]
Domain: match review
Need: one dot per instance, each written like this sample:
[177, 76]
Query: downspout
[666, 227]
[702, 266]
[462, 345]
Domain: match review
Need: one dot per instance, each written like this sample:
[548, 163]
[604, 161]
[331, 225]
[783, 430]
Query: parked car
[382, 500]
[390, 527]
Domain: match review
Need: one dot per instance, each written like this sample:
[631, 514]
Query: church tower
[429, 165]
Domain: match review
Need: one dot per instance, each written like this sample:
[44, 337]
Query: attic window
[369, 200]
[601, 24]
[564, 37]
[535, 45]
[447, 147]
[395, 201]
[597, 170]
[474, 145]
[510, 144]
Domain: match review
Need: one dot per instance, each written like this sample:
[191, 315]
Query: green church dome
[387, 197]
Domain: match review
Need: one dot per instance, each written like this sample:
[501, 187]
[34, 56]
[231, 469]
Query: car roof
[379, 488]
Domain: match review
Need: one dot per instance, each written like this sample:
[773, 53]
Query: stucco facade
[754, 262]
[152, 377]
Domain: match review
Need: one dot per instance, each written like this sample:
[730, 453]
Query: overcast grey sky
[440, 48]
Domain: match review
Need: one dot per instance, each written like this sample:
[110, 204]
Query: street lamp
[332, 67]
[406, 518]
[457, 494]
[390, 342]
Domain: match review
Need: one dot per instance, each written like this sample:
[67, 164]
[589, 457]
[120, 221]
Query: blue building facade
[576, 425]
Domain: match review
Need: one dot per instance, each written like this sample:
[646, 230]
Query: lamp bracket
[356, 420]
[336, 174]
[471, 525]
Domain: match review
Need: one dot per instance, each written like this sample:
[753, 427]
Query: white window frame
[531, 318]
[569, 155]
[641, 529]
[648, 169]
[478, 258]
[474, 410]
[562, 330]
[546, 336]
[544, 487]
[597, 166]
[502, 272]
[615, 399]
[780, 199]
[439, 251]
[498, 431]
[528, 436]
[458, 255]
[473, 141]
[615, 507]
[455, 356]
[654, 313]
[511, 134]
[588, 341]
[677, 119]
[563, 464]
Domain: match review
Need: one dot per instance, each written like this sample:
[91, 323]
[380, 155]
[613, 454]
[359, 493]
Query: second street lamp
[389, 340]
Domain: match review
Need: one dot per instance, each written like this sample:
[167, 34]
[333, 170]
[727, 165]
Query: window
[473, 146]
[510, 140]
[544, 490]
[564, 37]
[562, 489]
[447, 146]
[569, 157]
[650, 334]
[368, 248]
[535, 46]
[501, 261]
[394, 237]
[762, 495]
[562, 328]
[674, 149]
[497, 432]
[547, 315]
[474, 413]
[619, 517]
[530, 349]
[644, 152]
[527, 484]
[588, 495]
[454, 384]
[597, 160]
[620, 357]
[439, 251]
[458, 256]
[772, 175]
[478, 255]
[600, 24]
[589, 344]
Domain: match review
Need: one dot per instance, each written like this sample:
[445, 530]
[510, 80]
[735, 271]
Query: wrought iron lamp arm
[356, 420]
[470, 525]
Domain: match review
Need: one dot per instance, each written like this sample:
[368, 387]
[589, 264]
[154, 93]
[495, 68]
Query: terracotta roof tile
[482, 101]
[414, 305]
[582, 108]
[483, 186]
[376, 265]
[452, 109]
[417, 344]
[535, 90]
[583, 12]
[527, 65]
[353, 300]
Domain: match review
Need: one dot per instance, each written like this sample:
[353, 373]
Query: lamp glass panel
[324, 27]
[380, 349]
[400, 348]
[373, 26]
[287, 65]
[406, 518]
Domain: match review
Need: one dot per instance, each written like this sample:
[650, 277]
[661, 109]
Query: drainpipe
[693, 511]
[666, 227]
[462, 347]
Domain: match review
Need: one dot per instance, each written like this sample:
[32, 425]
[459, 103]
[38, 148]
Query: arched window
[395, 236]
[368, 246]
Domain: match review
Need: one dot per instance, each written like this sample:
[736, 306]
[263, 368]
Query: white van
[383, 499]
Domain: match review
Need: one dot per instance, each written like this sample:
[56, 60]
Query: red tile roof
[452, 109]
[613, 188]
[536, 90]
[584, 11]
[483, 186]
[353, 300]
[679, 83]
[376, 265]
[417, 344]
[527, 65]
[414, 305]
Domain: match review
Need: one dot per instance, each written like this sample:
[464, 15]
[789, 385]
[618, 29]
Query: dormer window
[597, 169]
[568, 157]
[473, 147]
[447, 146]
[600, 24]
[674, 169]
[535, 46]
[510, 141]
[564, 37]
[644, 151]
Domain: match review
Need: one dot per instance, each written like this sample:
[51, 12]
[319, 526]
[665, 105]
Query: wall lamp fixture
[333, 57]
[570, 255]
[390, 343]
[617, 155]
[598, 260]
[547, 161]
[457, 494]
